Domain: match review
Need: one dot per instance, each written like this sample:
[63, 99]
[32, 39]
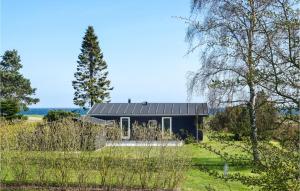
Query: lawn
[198, 180]
[34, 118]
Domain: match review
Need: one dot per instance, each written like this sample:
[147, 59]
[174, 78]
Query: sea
[44, 111]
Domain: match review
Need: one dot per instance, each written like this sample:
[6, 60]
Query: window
[166, 126]
[152, 123]
[125, 127]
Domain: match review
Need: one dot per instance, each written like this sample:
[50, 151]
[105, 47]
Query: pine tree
[16, 92]
[91, 84]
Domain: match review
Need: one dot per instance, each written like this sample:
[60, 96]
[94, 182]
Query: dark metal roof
[94, 120]
[152, 109]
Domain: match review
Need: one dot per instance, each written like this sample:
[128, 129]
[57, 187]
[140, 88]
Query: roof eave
[114, 115]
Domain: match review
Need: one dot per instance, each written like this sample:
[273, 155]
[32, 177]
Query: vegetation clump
[236, 119]
[56, 115]
[64, 153]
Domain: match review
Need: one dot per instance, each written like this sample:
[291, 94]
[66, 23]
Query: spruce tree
[91, 84]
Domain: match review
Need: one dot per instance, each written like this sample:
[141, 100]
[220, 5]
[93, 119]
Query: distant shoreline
[44, 111]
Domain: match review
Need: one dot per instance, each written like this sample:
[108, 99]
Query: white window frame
[121, 125]
[163, 125]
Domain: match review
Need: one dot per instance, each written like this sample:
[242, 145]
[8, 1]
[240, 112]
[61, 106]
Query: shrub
[51, 153]
[59, 114]
[236, 119]
[190, 139]
[288, 135]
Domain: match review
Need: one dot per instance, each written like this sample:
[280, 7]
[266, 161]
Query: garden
[62, 154]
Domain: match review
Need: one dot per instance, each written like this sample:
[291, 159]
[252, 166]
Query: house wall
[182, 126]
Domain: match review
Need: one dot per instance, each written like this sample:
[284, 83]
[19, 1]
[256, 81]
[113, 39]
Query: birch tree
[281, 74]
[227, 34]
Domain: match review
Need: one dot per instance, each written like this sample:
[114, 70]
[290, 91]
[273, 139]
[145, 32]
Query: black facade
[182, 126]
[184, 117]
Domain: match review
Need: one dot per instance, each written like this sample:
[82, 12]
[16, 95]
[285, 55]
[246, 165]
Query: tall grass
[64, 153]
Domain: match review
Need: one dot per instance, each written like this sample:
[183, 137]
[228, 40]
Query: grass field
[34, 118]
[198, 180]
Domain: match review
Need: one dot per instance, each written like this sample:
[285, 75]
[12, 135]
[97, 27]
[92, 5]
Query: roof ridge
[154, 109]
[152, 103]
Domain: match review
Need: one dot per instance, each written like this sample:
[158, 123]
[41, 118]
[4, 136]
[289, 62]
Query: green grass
[41, 116]
[198, 180]
[195, 180]
[34, 118]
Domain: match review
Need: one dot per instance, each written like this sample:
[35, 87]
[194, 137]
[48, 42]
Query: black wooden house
[181, 119]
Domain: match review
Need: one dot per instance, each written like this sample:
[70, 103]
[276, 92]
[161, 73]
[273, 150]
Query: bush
[190, 139]
[236, 119]
[59, 114]
[48, 154]
[288, 135]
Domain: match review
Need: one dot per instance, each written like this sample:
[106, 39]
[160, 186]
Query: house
[180, 119]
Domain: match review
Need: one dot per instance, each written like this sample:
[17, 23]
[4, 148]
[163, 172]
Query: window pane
[125, 126]
[152, 123]
[167, 126]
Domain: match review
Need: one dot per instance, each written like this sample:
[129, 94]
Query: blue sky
[143, 45]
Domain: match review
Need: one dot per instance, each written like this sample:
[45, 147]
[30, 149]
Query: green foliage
[288, 135]
[91, 84]
[9, 109]
[266, 116]
[236, 119]
[13, 85]
[56, 115]
[278, 169]
[190, 139]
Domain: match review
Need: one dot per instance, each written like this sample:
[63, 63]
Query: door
[125, 127]
[167, 127]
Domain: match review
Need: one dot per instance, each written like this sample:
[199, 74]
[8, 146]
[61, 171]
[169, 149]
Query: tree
[227, 35]
[91, 84]
[14, 87]
[236, 119]
[281, 56]
[9, 109]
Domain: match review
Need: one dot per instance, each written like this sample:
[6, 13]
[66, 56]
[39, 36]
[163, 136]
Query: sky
[142, 41]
